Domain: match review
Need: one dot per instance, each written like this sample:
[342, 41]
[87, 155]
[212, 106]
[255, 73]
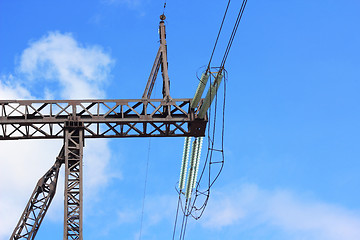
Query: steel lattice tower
[76, 120]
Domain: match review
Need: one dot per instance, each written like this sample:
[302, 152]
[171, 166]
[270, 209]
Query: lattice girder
[38, 119]
[73, 145]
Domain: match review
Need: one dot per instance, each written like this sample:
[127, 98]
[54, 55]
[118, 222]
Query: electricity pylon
[76, 120]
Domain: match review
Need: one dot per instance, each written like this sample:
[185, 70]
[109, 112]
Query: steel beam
[153, 75]
[41, 119]
[164, 62]
[73, 209]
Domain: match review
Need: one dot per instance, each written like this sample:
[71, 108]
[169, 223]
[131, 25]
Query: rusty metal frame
[41, 119]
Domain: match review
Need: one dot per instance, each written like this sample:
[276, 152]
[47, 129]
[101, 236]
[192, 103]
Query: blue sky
[292, 114]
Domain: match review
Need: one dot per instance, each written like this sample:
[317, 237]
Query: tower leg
[73, 216]
[39, 203]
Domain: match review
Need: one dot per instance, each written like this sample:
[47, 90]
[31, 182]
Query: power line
[217, 38]
[232, 36]
[191, 207]
[176, 217]
[237, 22]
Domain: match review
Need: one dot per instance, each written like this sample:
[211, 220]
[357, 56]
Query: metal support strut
[73, 209]
[160, 61]
[39, 202]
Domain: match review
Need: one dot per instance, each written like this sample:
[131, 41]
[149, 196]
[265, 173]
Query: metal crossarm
[39, 119]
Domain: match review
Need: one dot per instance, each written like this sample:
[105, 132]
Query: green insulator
[200, 90]
[184, 163]
[197, 164]
[210, 95]
[192, 169]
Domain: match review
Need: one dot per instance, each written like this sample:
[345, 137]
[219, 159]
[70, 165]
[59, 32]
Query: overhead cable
[237, 22]
[217, 38]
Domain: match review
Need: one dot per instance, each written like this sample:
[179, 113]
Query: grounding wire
[147, 170]
[145, 184]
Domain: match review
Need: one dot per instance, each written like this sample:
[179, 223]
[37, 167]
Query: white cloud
[80, 71]
[22, 164]
[54, 66]
[11, 90]
[281, 210]
[158, 211]
[97, 171]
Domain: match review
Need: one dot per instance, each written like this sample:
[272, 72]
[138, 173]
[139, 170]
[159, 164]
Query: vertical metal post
[160, 61]
[73, 209]
[164, 63]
